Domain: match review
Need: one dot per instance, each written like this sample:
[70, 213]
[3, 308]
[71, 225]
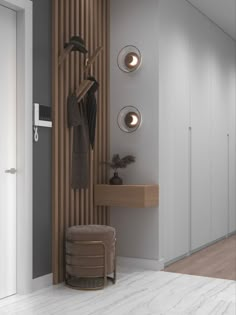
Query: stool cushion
[80, 260]
[90, 233]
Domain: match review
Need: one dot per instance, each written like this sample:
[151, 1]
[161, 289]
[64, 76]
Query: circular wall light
[129, 59]
[129, 119]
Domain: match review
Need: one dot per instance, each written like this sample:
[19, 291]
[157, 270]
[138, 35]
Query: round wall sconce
[129, 119]
[129, 59]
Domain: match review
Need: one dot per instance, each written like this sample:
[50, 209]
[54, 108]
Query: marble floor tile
[136, 293]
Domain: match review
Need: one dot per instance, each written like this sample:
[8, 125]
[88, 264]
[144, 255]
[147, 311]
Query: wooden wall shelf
[129, 196]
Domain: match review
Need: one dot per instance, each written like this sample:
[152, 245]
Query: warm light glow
[134, 120]
[134, 61]
[129, 119]
[129, 59]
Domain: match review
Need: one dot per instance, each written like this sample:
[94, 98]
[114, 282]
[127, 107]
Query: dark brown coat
[77, 118]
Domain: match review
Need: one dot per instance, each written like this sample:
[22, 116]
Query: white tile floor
[136, 293]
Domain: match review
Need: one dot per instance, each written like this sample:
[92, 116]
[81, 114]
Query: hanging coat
[91, 105]
[77, 118]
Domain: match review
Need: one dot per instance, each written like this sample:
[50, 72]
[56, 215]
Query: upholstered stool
[90, 256]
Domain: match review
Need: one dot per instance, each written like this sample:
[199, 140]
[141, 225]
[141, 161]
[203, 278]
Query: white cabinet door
[213, 133]
[230, 92]
[200, 132]
[197, 168]
[173, 129]
[8, 152]
[219, 140]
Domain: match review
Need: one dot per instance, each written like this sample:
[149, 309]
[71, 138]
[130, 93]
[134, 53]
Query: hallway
[215, 261]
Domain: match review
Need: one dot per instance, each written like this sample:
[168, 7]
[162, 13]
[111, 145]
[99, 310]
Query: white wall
[134, 22]
[173, 127]
[197, 164]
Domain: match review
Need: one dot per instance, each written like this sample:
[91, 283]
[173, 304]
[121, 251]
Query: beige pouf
[90, 256]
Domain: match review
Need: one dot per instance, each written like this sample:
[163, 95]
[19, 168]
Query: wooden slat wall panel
[90, 20]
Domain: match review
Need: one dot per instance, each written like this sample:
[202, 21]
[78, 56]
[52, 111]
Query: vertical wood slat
[90, 20]
[95, 214]
[61, 140]
[107, 124]
[87, 36]
[66, 130]
[99, 158]
[92, 48]
[55, 153]
[78, 77]
[104, 91]
[71, 86]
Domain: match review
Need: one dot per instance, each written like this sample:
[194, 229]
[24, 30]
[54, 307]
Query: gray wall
[137, 229]
[42, 150]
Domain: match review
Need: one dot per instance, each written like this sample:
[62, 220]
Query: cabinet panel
[173, 132]
[200, 122]
[231, 90]
[197, 167]
[219, 131]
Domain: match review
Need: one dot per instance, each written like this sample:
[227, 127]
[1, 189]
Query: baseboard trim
[231, 233]
[42, 282]
[172, 261]
[147, 264]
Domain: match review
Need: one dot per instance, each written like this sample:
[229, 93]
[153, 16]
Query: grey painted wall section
[42, 150]
[134, 22]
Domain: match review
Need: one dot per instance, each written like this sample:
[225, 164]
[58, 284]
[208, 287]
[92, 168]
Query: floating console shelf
[129, 196]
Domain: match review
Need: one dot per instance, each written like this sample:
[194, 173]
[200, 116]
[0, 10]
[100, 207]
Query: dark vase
[116, 180]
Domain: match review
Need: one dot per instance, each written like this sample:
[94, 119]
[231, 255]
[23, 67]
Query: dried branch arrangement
[118, 162]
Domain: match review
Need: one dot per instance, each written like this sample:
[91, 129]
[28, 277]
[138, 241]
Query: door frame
[24, 195]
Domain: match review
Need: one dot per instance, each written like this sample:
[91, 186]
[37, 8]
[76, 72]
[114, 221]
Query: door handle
[11, 171]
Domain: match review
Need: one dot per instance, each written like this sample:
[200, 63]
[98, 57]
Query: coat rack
[82, 90]
[66, 51]
[85, 86]
[91, 60]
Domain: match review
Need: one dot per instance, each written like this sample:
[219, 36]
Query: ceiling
[222, 12]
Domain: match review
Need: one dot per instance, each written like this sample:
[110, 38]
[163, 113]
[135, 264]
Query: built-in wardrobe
[197, 66]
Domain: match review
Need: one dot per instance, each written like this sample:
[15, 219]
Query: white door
[201, 132]
[231, 89]
[173, 128]
[219, 140]
[7, 152]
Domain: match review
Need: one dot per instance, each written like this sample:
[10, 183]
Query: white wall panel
[219, 130]
[173, 127]
[200, 121]
[232, 140]
[197, 89]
